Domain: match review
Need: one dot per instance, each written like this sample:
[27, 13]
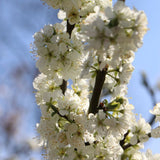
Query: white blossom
[156, 112]
[103, 39]
[155, 133]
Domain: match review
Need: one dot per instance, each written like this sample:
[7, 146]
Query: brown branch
[63, 86]
[122, 142]
[100, 78]
[70, 28]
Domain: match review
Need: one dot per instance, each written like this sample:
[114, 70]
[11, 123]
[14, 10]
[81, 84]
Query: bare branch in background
[122, 0]
[17, 73]
[151, 92]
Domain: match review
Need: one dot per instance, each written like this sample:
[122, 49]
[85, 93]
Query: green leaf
[113, 105]
[94, 74]
[120, 100]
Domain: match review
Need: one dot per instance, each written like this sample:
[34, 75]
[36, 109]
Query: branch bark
[100, 78]
[70, 28]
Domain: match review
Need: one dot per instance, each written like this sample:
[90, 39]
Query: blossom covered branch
[92, 49]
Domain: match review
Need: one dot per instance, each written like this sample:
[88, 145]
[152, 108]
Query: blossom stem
[100, 78]
[113, 70]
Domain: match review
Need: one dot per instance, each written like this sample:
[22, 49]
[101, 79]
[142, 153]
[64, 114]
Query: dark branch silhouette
[151, 93]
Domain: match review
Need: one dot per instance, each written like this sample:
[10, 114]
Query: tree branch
[63, 86]
[70, 28]
[100, 78]
[152, 94]
[122, 0]
[122, 142]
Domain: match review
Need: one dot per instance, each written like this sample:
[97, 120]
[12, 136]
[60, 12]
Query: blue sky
[147, 59]
[16, 35]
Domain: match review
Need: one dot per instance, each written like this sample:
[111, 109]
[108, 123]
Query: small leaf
[94, 74]
[120, 100]
[105, 102]
[113, 105]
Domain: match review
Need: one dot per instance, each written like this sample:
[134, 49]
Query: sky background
[19, 20]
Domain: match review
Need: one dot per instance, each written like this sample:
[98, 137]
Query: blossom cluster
[92, 50]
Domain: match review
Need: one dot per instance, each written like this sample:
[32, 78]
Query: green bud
[105, 102]
[113, 23]
[120, 100]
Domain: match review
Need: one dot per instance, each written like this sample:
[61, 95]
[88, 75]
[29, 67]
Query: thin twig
[122, 142]
[56, 111]
[151, 92]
